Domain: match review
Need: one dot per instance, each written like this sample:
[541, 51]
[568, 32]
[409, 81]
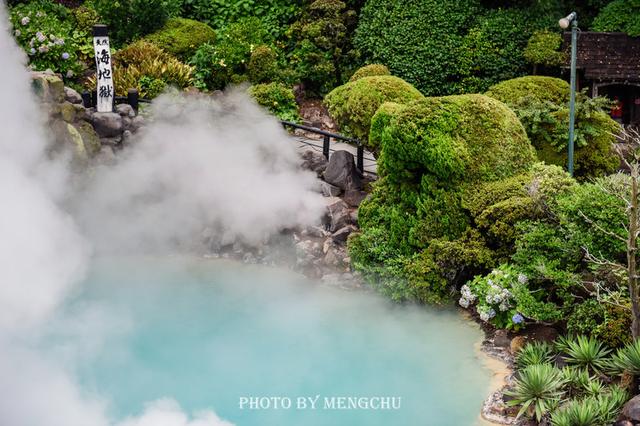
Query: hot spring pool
[208, 333]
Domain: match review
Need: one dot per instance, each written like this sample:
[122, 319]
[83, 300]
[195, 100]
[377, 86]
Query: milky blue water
[208, 333]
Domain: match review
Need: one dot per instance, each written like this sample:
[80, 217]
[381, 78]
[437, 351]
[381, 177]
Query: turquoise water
[208, 333]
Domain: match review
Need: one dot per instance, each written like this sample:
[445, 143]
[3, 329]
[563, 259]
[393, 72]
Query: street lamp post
[571, 19]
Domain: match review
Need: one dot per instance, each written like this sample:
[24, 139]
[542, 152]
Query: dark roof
[607, 56]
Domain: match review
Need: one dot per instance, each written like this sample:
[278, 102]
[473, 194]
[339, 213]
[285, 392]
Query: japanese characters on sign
[105, 89]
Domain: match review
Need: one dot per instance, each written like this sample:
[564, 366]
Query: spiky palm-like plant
[537, 391]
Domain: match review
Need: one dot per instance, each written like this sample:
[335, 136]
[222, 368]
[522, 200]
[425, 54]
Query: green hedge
[181, 37]
[370, 71]
[619, 15]
[354, 104]
[277, 99]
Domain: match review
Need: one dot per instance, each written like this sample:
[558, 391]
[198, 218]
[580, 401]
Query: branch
[600, 228]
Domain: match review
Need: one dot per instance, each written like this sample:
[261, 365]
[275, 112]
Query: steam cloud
[199, 165]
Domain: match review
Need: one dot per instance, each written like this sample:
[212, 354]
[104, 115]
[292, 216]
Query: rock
[314, 161]
[114, 142]
[354, 197]
[315, 231]
[72, 96]
[137, 122]
[47, 86]
[67, 112]
[342, 172]
[354, 217]
[106, 156]
[330, 259]
[90, 138]
[125, 110]
[501, 339]
[623, 423]
[81, 112]
[81, 139]
[339, 215]
[108, 124]
[126, 123]
[517, 343]
[341, 235]
[631, 410]
[329, 190]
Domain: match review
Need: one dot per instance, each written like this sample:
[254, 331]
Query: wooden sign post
[105, 90]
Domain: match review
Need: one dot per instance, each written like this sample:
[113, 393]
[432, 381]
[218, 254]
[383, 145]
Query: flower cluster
[49, 40]
[493, 296]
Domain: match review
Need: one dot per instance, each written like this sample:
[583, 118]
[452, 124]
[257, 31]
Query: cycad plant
[586, 352]
[538, 390]
[626, 359]
[534, 353]
[596, 410]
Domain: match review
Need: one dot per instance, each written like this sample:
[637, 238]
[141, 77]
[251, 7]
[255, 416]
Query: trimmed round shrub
[181, 37]
[370, 71]
[277, 99]
[352, 105]
[543, 48]
[542, 105]
[539, 88]
[263, 65]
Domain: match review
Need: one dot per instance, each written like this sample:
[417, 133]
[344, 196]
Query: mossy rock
[181, 37]
[541, 88]
[48, 87]
[370, 71]
[353, 105]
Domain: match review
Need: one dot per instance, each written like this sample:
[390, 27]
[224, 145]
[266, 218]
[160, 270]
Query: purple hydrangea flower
[65, 56]
[517, 319]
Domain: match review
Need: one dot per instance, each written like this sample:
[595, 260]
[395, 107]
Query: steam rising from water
[199, 165]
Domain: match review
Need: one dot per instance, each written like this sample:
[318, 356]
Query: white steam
[225, 166]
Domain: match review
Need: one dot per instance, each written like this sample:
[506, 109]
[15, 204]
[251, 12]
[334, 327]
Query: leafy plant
[263, 65]
[619, 15]
[534, 353]
[586, 352]
[538, 390]
[600, 409]
[543, 48]
[370, 71]
[626, 359]
[182, 37]
[276, 98]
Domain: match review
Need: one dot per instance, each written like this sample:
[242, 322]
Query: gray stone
[108, 124]
[501, 339]
[354, 217]
[114, 142]
[631, 410]
[90, 139]
[48, 86]
[126, 123]
[341, 235]
[72, 96]
[342, 172]
[354, 197]
[82, 113]
[125, 110]
[67, 112]
[339, 215]
[329, 190]
[314, 161]
[136, 123]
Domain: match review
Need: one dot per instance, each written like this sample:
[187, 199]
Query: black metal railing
[90, 99]
[326, 142]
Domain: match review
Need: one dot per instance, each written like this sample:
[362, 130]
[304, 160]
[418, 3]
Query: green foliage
[354, 104]
[538, 390]
[85, 17]
[182, 37]
[586, 352]
[585, 318]
[321, 54]
[543, 48]
[278, 99]
[263, 65]
[607, 322]
[46, 33]
[598, 409]
[626, 359]
[275, 15]
[148, 68]
[131, 19]
[370, 71]
[619, 15]
[217, 65]
[534, 353]
[541, 104]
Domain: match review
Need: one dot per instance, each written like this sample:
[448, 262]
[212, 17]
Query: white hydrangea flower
[464, 302]
[25, 20]
[522, 278]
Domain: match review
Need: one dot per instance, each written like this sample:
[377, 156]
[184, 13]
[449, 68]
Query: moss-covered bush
[263, 65]
[432, 149]
[148, 68]
[278, 99]
[182, 37]
[543, 48]
[370, 71]
[353, 105]
[541, 104]
[619, 15]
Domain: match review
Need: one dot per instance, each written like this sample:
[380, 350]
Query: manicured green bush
[131, 19]
[543, 48]
[226, 61]
[86, 17]
[541, 104]
[182, 37]
[370, 71]
[278, 99]
[263, 65]
[45, 31]
[354, 104]
[619, 15]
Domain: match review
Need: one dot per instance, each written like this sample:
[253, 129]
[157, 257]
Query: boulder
[342, 172]
[108, 124]
[81, 112]
[72, 96]
[90, 138]
[631, 410]
[341, 235]
[80, 137]
[314, 161]
[125, 110]
[48, 86]
[501, 339]
[136, 123]
[517, 343]
[67, 112]
[354, 197]
[329, 190]
[339, 215]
